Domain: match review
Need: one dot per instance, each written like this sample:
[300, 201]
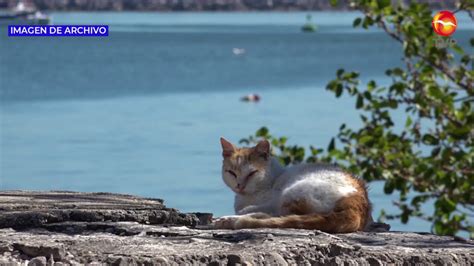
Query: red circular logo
[444, 23]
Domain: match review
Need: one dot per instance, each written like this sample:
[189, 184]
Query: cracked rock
[118, 229]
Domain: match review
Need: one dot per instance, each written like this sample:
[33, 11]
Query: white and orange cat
[304, 196]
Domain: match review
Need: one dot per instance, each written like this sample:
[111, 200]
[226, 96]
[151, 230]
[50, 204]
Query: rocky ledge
[60, 228]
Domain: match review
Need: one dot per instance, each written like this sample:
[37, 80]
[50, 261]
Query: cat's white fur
[321, 185]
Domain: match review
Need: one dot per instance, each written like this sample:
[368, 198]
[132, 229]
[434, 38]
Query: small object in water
[238, 51]
[253, 97]
[24, 14]
[309, 26]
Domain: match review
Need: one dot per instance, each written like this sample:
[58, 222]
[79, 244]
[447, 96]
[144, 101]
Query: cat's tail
[349, 215]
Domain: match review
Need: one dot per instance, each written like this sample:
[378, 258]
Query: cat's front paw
[226, 222]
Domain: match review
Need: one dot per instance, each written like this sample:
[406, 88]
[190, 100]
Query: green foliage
[430, 156]
[287, 154]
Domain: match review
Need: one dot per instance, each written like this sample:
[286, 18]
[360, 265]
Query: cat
[302, 196]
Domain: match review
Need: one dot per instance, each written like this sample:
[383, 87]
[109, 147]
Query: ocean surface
[141, 111]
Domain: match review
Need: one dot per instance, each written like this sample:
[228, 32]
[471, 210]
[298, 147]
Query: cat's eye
[252, 173]
[232, 173]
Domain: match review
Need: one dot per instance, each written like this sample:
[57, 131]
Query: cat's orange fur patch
[242, 156]
[299, 207]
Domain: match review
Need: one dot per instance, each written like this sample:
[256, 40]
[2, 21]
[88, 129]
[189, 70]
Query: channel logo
[444, 23]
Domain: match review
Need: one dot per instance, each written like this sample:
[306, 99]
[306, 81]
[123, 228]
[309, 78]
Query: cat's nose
[240, 188]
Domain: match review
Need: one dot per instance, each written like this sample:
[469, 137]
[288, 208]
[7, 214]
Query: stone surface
[38, 261]
[26, 209]
[119, 242]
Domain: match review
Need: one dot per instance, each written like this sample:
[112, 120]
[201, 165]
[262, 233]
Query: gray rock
[5, 247]
[136, 241]
[38, 261]
[24, 209]
[277, 259]
[374, 261]
[233, 259]
[57, 252]
[50, 260]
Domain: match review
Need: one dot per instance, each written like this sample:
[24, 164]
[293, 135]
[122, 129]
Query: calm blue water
[141, 111]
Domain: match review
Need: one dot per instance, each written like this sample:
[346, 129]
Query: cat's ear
[227, 147]
[263, 148]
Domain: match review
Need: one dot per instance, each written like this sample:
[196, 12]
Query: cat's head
[244, 170]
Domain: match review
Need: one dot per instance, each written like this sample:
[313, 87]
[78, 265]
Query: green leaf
[408, 122]
[332, 145]
[357, 22]
[339, 89]
[435, 92]
[460, 133]
[438, 227]
[404, 217]
[368, 21]
[371, 85]
[465, 59]
[365, 139]
[333, 2]
[262, 132]
[339, 72]
[367, 95]
[457, 49]
[435, 151]
[275, 142]
[360, 101]
[388, 187]
[392, 104]
[430, 139]
[445, 205]
[383, 3]
[244, 141]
